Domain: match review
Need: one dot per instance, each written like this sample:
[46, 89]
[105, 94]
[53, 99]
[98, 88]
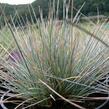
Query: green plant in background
[54, 60]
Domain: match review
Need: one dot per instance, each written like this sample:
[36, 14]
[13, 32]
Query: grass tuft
[54, 60]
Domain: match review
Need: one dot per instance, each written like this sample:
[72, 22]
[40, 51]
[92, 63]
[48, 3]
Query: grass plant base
[60, 104]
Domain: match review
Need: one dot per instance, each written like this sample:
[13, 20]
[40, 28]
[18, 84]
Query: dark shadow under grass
[60, 104]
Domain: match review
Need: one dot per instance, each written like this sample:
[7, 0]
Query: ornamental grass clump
[54, 60]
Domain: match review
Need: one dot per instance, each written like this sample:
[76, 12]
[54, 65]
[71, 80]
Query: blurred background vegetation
[91, 8]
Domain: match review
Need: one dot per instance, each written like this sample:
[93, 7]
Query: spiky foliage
[54, 60]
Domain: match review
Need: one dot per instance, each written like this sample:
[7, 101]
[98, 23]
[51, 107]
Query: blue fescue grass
[54, 61]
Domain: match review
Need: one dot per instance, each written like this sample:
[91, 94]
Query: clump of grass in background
[55, 61]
